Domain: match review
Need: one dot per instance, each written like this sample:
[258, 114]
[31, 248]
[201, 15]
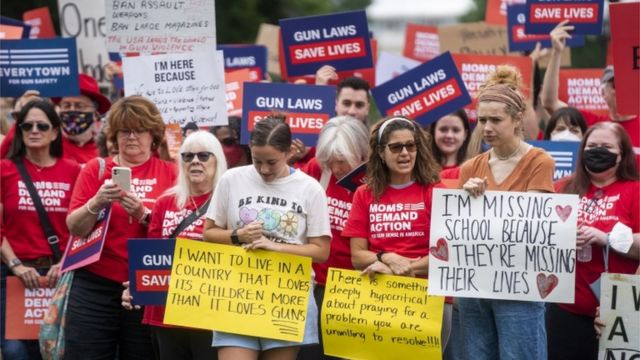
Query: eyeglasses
[78, 106]
[28, 126]
[203, 156]
[396, 148]
[128, 132]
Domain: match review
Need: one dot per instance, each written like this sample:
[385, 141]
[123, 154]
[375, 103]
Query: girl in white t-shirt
[273, 207]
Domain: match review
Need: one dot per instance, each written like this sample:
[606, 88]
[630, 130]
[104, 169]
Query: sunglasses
[203, 156]
[396, 148]
[28, 126]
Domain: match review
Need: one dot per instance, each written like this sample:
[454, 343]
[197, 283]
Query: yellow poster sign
[226, 288]
[390, 317]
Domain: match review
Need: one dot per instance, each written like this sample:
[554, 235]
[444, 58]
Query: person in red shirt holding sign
[25, 248]
[201, 164]
[549, 93]
[96, 324]
[608, 238]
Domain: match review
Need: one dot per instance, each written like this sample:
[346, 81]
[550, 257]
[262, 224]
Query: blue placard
[584, 15]
[354, 178]
[564, 153]
[149, 269]
[519, 40]
[118, 79]
[47, 65]
[26, 28]
[340, 40]
[424, 93]
[307, 108]
[252, 57]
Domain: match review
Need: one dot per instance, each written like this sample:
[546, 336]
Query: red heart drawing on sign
[563, 212]
[546, 284]
[440, 251]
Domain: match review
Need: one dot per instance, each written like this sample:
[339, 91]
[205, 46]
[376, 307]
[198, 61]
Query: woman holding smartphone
[97, 326]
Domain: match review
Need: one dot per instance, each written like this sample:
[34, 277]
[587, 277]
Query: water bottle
[584, 254]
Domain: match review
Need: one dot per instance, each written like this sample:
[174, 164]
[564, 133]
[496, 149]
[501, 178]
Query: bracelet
[379, 256]
[89, 208]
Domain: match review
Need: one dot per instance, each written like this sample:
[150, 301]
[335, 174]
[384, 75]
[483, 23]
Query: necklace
[516, 151]
[38, 167]
[196, 209]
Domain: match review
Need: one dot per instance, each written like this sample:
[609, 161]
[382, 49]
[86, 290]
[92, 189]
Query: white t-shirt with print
[291, 209]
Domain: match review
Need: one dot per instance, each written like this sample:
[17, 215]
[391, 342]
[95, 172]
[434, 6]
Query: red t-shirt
[166, 216]
[21, 224]
[81, 154]
[632, 127]
[148, 181]
[398, 223]
[617, 202]
[339, 204]
[6, 141]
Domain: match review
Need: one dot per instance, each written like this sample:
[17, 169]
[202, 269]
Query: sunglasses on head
[28, 126]
[396, 148]
[203, 156]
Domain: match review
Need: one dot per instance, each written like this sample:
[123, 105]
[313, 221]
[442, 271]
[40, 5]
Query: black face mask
[228, 141]
[599, 159]
[76, 122]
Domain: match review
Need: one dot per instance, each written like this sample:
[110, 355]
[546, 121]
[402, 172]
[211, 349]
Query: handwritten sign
[252, 57]
[25, 308]
[474, 38]
[496, 11]
[421, 42]
[226, 288]
[234, 85]
[340, 40]
[82, 251]
[626, 56]
[620, 311]
[41, 24]
[170, 27]
[46, 65]
[391, 65]
[185, 87]
[580, 88]
[425, 93]
[584, 15]
[519, 40]
[503, 245]
[390, 317]
[149, 269]
[307, 108]
[564, 153]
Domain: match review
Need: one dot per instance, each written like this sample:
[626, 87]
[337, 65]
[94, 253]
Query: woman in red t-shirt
[97, 326]
[608, 238]
[26, 251]
[449, 140]
[201, 163]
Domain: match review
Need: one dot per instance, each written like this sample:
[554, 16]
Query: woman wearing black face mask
[608, 238]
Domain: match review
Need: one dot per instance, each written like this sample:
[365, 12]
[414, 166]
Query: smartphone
[121, 176]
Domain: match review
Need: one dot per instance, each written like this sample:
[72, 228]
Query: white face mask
[565, 135]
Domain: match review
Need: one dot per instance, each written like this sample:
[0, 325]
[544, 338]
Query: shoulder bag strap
[189, 219]
[51, 236]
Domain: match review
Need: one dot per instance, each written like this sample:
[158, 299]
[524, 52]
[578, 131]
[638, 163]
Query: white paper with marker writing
[620, 312]
[185, 87]
[503, 245]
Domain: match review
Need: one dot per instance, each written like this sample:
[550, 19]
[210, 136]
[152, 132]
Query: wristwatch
[235, 240]
[14, 262]
[379, 256]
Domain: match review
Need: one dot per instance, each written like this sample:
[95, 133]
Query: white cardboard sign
[391, 65]
[620, 311]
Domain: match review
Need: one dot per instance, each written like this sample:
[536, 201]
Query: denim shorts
[223, 339]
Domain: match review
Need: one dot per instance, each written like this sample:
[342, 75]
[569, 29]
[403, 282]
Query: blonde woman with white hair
[181, 212]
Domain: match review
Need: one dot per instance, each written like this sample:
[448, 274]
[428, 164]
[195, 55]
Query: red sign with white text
[26, 308]
[625, 36]
[299, 122]
[233, 87]
[475, 68]
[580, 88]
[421, 42]
[41, 24]
[496, 12]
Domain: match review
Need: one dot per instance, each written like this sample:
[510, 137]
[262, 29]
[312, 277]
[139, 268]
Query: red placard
[8, 32]
[421, 42]
[41, 24]
[475, 68]
[496, 12]
[626, 55]
[233, 87]
[25, 309]
[580, 88]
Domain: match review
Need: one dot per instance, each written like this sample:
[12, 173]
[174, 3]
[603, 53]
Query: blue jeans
[502, 329]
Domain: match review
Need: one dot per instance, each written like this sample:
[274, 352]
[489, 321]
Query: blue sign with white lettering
[584, 15]
[149, 269]
[424, 93]
[564, 153]
[47, 65]
[306, 108]
[252, 57]
[340, 40]
[519, 40]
